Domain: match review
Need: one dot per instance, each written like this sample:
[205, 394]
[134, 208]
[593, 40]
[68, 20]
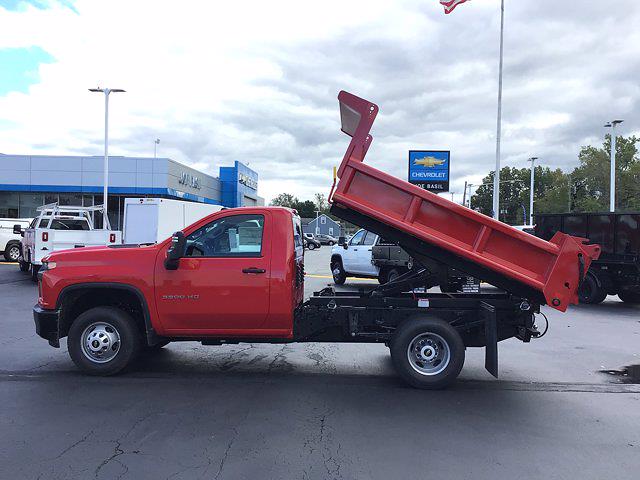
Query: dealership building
[30, 181]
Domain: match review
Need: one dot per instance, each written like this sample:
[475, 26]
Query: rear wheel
[337, 270]
[34, 272]
[590, 292]
[629, 297]
[12, 252]
[393, 274]
[103, 341]
[427, 353]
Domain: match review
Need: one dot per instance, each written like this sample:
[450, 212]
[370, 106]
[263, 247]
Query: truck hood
[100, 253]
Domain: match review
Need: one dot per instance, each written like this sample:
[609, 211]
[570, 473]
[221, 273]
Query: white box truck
[151, 220]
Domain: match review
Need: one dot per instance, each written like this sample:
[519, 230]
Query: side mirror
[17, 229]
[176, 251]
[342, 240]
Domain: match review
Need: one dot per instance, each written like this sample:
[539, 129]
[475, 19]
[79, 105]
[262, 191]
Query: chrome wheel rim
[100, 342]
[14, 253]
[428, 354]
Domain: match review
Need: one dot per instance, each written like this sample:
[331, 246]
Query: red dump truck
[238, 276]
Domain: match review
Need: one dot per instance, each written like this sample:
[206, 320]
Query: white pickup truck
[353, 258]
[61, 228]
[10, 242]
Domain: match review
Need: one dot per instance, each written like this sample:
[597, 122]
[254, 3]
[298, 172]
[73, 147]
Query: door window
[232, 236]
[357, 238]
[369, 239]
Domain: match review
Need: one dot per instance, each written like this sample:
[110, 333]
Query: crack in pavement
[226, 453]
[71, 447]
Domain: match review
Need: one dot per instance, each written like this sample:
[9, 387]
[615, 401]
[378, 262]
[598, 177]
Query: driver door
[221, 286]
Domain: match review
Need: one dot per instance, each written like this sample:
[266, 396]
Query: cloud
[257, 82]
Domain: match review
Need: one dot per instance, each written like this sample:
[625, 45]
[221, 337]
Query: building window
[28, 204]
[9, 203]
[330, 230]
[323, 220]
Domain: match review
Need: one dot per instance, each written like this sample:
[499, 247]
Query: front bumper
[47, 324]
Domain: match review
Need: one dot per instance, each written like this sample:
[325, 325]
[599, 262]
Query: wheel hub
[428, 353]
[100, 342]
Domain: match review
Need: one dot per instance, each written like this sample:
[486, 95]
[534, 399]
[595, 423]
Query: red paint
[550, 267]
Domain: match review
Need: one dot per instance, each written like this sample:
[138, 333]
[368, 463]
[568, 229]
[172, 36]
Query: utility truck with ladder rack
[238, 276]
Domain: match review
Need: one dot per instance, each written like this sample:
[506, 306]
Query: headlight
[47, 265]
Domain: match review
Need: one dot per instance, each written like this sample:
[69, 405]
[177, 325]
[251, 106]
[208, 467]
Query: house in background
[323, 225]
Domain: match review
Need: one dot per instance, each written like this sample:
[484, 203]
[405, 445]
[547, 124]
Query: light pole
[155, 146]
[532, 160]
[452, 194]
[106, 92]
[496, 177]
[612, 181]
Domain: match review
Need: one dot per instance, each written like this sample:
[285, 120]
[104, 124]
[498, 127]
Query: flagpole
[496, 177]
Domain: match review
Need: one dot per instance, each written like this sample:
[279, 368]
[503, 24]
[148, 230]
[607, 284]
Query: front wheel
[427, 353]
[311, 246]
[103, 341]
[12, 253]
[24, 266]
[332, 243]
[337, 270]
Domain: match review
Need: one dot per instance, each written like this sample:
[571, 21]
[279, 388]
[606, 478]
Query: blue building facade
[239, 185]
[30, 181]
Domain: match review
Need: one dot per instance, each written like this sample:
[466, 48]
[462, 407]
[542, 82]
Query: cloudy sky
[257, 81]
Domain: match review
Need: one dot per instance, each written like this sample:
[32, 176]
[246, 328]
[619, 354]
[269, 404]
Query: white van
[10, 242]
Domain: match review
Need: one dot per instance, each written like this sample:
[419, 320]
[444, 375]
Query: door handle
[253, 270]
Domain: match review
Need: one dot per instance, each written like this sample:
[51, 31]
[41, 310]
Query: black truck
[617, 271]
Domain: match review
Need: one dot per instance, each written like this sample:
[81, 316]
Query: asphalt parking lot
[322, 411]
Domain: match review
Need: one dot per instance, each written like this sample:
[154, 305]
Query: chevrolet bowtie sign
[189, 180]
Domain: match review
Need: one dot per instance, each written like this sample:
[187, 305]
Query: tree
[590, 180]
[551, 193]
[284, 200]
[321, 203]
[306, 209]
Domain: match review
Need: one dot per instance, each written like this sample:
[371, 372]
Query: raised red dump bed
[432, 227]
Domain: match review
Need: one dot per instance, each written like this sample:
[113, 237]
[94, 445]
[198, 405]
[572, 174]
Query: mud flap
[488, 314]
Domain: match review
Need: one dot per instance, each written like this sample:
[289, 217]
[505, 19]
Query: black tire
[590, 292]
[128, 333]
[34, 272]
[393, 274]
[629, 297]
[408, 334]
[12, 252]
[382, 276]
[337, 270]
[24, 266]
[332, 243]
[311, 246]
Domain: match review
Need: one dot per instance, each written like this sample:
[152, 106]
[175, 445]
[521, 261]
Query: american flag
[449, 5]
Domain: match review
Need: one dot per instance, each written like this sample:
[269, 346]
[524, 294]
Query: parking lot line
[8, 263]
